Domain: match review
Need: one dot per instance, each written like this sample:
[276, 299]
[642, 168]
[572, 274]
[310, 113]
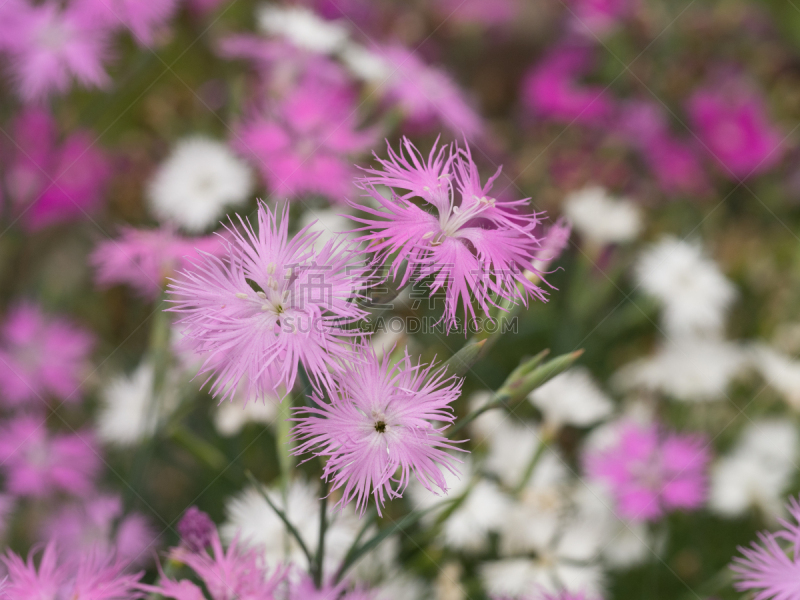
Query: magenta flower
[48, 45]
[37, 463]
[771, 569]
[99, 525]
[41, 357]
[427, 96]
[294, 313]
[551, 90]
[650, 472]
[380, 427]
[196, 529]
[144, 19]
[598, 17]
[473, 245]
[306, 144]
[95, 577]
[730, 119]
[675, 163]
[237, 572]
[144, 259]
[51, 182]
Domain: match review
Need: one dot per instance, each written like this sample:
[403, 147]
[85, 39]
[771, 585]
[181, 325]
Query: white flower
[694, 294]
[532, 523]
[572, 398]
[757, 472]
[231, 417]
[511, 448]
[196, 182]
[303, 28]
[601, 218]
[692, 370]
[250, 516]
[365, 64]
[402, 587]
[331, 224]
[128, 411]
[781, 372]
[481, 511]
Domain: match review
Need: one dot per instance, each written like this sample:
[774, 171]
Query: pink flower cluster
[651, 472]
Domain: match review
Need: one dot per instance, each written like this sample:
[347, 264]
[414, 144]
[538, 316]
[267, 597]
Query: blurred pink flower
[272, 305]
[196, 529]
[145, 258]
[650, 472]
[203, 7]
[144, 18]
[675, 163]
[237, 572]
[771, 569]
[306, 590]
[553, 244]
[598, 17]
[475, 247]
[48, 45]
[478, 12]
[37, 463]
[551, 90]
[41, 357]
[99, 525]
[51, 182]
[730, 118]
[96, 577]
[380, 427]
[307, 143]
[426, 95]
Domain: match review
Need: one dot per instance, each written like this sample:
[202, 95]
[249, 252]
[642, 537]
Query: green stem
[323, 526]
[544, 444]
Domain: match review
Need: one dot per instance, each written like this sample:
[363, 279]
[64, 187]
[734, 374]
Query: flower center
[380, 427]
[457, 217]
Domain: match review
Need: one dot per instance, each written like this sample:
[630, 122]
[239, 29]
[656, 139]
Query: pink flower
[598, 17]
[100, 526]
[41, 357]
[95, 577]
[306, 143]
[143, 18]
[730, 119]
[478, 12]
[551, 90]
[48, 182]
[674, 162]
[771, 569]
[426, 95]
[48, 45]
[237, 572]
[381, 419]
[553, 245]
[650, 472]
[306, 590]
[473, 245]
[37, 463]
[294, 312]
[145, 258]
[196, 529]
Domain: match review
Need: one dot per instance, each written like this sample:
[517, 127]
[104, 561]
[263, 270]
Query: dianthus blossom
[271, 305]
[473, 245]
[145, 258]
[37, 463]
[771, 569]
[41, 357]
[651, 472]
[379, 428]
[95, 577]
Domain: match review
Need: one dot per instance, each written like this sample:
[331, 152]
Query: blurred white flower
[757, 472]
[533, 521]
[601, 218]
[197, 181]
[480, 512]
[402, 587]
[486, 424]
[688, 369]
[128, 411]
[365, 64]
[231, 417]
[330, 223]
[249, 516]
[512, 444]
[303, 28]
[781, 372]
[572, 398]
[693, 292]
